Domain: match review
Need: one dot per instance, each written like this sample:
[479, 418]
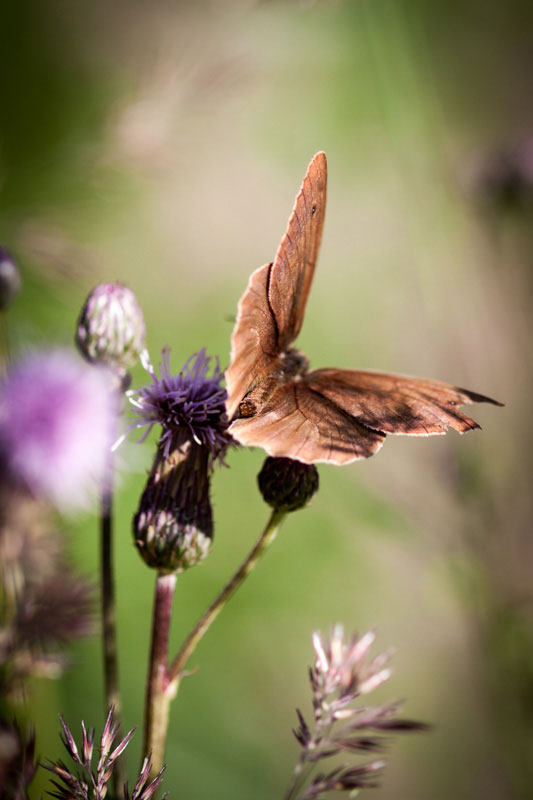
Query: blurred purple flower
[57, 415]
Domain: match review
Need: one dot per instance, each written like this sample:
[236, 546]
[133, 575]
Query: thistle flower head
[57, 415]
[10, 280]
[111, 328]
[190, 406]
[173, 526]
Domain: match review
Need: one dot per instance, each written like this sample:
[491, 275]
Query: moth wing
[254, 347]
[297, 423]
[293, 268]
[396, 403]
[271, 310]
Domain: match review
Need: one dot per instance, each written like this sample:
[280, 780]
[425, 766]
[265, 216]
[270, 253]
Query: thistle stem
[158, 692]
[163, 682]
[208, 617]
[109, 633]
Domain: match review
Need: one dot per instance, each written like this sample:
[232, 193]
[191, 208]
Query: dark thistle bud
[10, 280]
[111, 328]
[287, 485]
[173, 527]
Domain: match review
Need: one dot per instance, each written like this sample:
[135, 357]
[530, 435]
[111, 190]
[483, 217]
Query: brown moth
[327, 415]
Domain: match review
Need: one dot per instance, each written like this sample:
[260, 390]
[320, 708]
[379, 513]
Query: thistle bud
[173, 526]
[111, 327]
[287, 485]
[10, 280]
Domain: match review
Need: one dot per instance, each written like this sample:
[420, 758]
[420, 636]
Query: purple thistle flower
[57, 415]
[173, 526]
[190, 406]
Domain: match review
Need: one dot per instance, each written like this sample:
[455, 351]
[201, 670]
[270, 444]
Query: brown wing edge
[313, 188]
[401, 405]
[474, 397]
[238, 376]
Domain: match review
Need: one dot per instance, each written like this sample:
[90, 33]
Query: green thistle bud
[287, 485]
[111, 327]
[173, 526]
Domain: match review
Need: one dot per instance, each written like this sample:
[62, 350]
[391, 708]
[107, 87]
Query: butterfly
[326, 415]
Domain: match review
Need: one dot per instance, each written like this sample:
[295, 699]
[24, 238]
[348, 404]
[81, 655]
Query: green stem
[208, 617]
[158, 692]
[109, 632]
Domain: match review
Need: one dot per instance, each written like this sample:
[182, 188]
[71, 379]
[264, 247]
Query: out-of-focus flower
[111, 328]
[92, 782]
[287, 485]
[17, 761]
[341, 674]
[57, 415]
[44, 603]
[10, 280]
[173, 527]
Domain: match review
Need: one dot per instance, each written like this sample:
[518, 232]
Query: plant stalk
[163, 682]
[208, 617]
[109, 632]
[158, 692]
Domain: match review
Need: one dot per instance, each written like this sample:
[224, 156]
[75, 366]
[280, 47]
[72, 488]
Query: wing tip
[320, 156]
[475, 397]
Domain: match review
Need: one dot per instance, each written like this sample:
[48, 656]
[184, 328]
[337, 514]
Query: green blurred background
[162, 144]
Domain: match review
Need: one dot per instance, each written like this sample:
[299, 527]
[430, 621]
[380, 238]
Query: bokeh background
[162, 144]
